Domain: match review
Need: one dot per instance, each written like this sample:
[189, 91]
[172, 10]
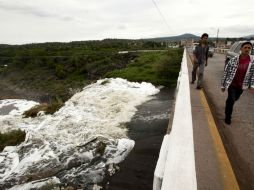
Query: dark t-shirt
[201, 53]
[241, 72]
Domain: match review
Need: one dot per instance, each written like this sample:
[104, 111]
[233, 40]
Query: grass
[47, 108]
[159, 68]
[34, 110]
[54, 106]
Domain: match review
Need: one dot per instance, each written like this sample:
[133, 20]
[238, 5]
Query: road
[238, 138]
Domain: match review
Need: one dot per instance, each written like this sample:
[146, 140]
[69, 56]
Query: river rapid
[78, 145]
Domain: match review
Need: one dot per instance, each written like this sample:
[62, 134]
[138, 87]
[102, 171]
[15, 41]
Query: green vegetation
[54, 106]
[49, 108]
[34, 110]
[159, 68]
[54, 70]
[11, 138]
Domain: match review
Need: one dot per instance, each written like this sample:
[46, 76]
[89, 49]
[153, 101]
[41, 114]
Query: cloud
[122, 27]
[67, 20]
[27, 9]
[237, 30]
[32, 10]
[196, 2]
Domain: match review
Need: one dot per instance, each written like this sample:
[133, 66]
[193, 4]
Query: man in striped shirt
[238, 75]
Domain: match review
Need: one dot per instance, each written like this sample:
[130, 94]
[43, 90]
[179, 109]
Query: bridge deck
[213, 168]
[238, 138]
[223, 155]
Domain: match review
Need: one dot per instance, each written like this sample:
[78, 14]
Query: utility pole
[217, 38]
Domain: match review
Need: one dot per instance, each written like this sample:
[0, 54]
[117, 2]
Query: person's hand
[222, 89]
[206, 63]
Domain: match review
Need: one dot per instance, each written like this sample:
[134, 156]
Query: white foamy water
[77, 144]
[17, 106]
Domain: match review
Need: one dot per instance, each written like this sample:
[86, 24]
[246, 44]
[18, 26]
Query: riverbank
[11, 91]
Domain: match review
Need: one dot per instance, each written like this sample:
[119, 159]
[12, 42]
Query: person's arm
[225, 75]
[195, 58]
[195, 54]
[252, 77]
[206, 63]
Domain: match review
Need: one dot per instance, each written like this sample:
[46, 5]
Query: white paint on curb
[178, 170]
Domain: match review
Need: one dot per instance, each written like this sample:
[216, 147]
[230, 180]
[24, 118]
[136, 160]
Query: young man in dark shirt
[238, 75]
[200, 56]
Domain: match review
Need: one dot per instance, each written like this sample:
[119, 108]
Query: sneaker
[199, 87]
[192, 82]
[227, 120]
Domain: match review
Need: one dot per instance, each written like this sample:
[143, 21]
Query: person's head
[246, 48]
[204, 36]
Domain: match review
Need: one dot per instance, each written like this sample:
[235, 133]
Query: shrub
[159, 68]
[11, 138]
[34, 110]
[54, 106]
[105, 82]
[60, 72]
[50, 108]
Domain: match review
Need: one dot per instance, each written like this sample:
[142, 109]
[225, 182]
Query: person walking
[200, 56]
[238, 76]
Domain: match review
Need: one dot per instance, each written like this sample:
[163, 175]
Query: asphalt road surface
[238, 138]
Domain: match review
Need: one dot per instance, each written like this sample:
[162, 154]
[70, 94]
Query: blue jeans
[233, 95]
[201, 68]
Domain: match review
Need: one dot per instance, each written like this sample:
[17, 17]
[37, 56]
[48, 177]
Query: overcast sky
[28, 21]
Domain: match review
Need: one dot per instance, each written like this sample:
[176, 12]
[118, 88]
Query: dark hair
[244, 43]
[204, 35]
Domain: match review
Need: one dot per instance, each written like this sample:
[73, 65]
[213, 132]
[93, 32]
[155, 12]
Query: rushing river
[78, 145]
[147, 128]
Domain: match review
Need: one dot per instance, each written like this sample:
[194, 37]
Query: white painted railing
[175, 168]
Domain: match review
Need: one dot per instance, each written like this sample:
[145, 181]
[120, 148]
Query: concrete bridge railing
[176, 164]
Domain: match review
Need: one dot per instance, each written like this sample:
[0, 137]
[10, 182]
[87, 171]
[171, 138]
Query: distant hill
[175, 38]
[195, 38]
[249, 36]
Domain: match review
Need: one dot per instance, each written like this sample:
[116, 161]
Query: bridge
[200, 151]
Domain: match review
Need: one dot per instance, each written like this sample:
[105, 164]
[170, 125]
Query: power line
[162, 16]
